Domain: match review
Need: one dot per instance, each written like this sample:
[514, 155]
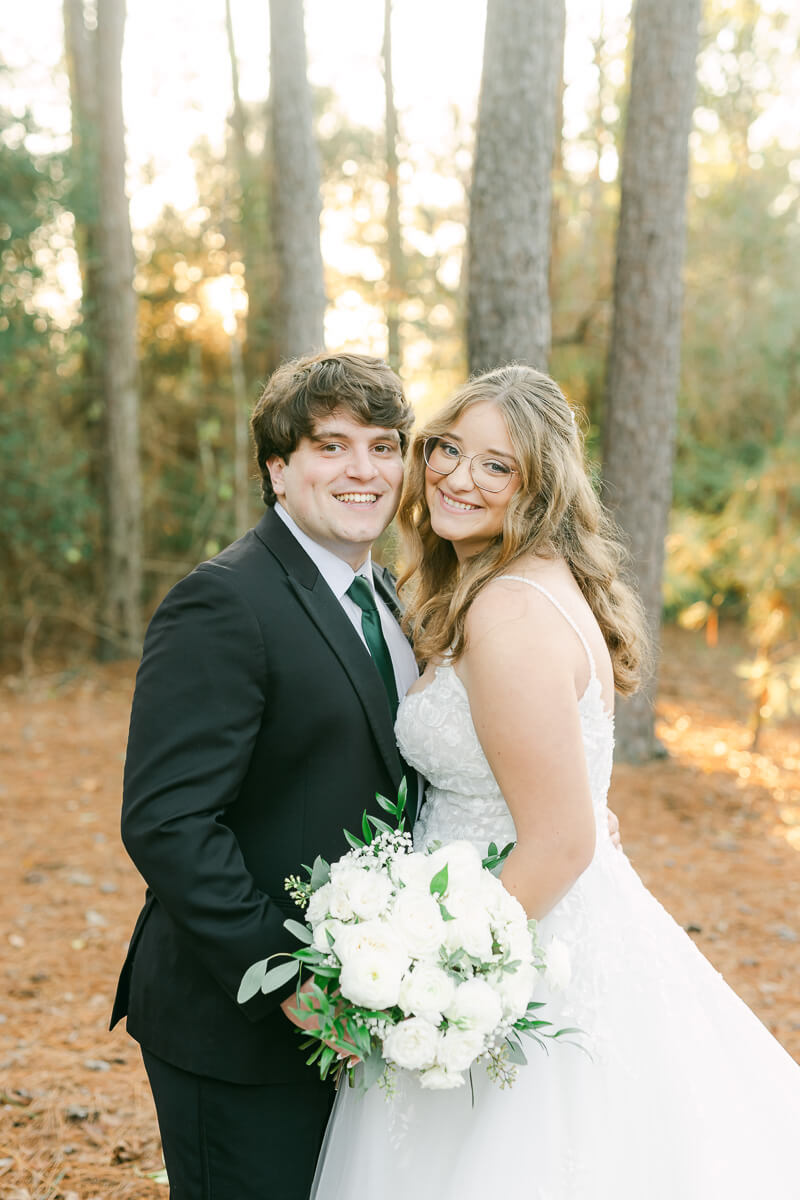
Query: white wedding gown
[686, 1096]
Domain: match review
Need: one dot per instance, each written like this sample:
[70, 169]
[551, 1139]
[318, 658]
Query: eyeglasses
[489, 474]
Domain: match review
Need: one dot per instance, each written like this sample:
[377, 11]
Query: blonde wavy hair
[555, 512]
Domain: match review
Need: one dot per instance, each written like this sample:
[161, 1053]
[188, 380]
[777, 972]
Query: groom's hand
[613, 829]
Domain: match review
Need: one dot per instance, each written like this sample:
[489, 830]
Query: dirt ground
[714, 830]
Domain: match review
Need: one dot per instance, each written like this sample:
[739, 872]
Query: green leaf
[377, 823]
[365, 828]
[386, 805]
[353, 840]
[402, 797]
[320, 873]
[326, 1058]
[439, 882]
[279, 976]
[301, 932]
[446, 916]
[251, 981]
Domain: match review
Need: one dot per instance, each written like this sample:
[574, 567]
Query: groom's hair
[305, 389]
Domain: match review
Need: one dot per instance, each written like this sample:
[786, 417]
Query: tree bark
[296, 186]
[508, 315]
[241, 443]
[117, 314]
[644, 356]
[394, 241]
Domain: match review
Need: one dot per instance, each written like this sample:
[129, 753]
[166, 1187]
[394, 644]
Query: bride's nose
[461, 478]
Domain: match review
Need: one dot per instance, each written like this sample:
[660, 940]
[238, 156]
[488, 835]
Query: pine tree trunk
[296, 186]
[394, 241]
[117, 314]
[644, 357]
[508, 314]
[250, 251]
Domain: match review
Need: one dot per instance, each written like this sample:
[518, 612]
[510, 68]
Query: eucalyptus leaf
[320, 873]
[372, 1067]
[515, 1053]
[301, 932]
[251, 981]
[277, 977]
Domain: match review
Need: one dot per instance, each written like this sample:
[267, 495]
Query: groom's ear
[276, 467]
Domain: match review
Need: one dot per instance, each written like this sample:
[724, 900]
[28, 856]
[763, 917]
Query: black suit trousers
[235, 1141]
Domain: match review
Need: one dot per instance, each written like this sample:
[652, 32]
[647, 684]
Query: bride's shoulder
[507, 603]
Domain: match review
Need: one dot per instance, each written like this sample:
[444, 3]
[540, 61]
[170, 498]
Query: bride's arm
[520, 669]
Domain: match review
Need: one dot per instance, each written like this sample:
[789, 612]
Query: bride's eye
[448, 449]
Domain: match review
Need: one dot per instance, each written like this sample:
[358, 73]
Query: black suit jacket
[260, 729]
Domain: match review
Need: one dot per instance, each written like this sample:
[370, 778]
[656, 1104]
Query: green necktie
[360, 592]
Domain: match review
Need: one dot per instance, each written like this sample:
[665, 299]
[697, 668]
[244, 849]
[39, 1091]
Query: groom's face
[342, 484]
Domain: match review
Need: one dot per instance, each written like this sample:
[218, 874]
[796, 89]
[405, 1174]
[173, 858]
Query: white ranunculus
[437, 1079]
[558, 972]
[373, 963]
[417, 920]
[412, 1044]
[458, 1048]
[476, 1006]
[426, 991]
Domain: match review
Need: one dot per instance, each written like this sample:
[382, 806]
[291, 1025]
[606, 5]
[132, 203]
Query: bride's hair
[554, 512]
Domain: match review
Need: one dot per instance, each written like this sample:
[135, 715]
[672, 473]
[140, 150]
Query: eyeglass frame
[438, 437]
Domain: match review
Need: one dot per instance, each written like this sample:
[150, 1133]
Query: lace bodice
[436, 735]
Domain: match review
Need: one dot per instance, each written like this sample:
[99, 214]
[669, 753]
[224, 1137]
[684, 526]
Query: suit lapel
[314, 595]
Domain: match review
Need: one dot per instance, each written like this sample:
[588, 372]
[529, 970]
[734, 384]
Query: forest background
[200, 181]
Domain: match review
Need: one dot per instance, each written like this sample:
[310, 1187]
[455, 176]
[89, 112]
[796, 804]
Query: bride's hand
[613, 829]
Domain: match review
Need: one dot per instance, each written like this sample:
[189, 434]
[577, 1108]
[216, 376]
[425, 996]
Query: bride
[527, 629]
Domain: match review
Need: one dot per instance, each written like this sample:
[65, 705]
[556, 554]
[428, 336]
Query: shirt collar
[334, 570]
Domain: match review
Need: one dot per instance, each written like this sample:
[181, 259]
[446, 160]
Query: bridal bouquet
[418, 961]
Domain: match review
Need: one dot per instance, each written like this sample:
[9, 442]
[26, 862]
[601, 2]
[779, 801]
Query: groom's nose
[360, 463]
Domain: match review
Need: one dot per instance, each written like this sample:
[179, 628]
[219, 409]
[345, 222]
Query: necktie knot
[361, 594]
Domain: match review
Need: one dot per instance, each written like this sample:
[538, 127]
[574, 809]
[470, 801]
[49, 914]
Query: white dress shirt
[339, 575]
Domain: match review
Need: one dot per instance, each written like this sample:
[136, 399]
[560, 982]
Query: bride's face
[468, 515]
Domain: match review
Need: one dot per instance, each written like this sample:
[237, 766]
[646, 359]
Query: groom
[262, 725]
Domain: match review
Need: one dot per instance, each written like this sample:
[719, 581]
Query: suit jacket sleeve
[200, 698]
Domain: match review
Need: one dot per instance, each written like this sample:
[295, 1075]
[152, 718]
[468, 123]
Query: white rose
[463, 862]
[373, 963]
[426, 991]
[318, 904]
[458, 1049]
[329, 925]
[515, 989]
[368, 894]
[413, 871]
[471, 932]
[440, 1080]
[412, 1044]
[418, 922]
[476, 1006]
[558, 971]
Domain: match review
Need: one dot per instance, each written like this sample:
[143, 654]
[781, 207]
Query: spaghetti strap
[557, 603]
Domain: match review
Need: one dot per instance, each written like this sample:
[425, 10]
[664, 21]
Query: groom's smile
[342, 484]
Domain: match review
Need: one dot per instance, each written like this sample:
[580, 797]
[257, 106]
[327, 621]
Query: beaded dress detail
[679, 1093]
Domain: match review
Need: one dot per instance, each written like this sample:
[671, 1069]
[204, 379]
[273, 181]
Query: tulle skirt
[680, 1093]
